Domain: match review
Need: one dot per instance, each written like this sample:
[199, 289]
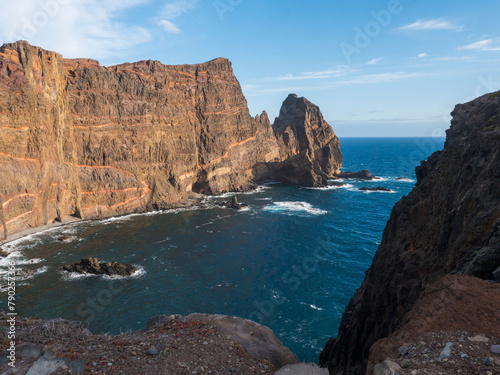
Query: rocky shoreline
[193, 344]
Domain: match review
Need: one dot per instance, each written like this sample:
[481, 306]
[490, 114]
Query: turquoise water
[291, 261]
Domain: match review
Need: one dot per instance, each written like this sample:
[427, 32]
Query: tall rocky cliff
[448, 224]
[79, 139]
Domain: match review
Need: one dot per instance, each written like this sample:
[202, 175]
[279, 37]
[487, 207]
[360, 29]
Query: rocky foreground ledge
[174, 344]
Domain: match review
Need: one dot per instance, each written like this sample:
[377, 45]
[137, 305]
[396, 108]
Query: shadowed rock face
[79, 139]
[448, 224]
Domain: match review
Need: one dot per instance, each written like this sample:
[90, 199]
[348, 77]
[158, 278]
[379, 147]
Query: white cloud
[340, 71]
[176, 9]
[436, 24]
[357, 80]
[483, 45]
[422, 55]
[172, 11]
[375, 61]
[169, 27]
[380, 78]
[75, 28]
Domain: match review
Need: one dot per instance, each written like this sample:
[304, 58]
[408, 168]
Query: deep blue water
[292, 261]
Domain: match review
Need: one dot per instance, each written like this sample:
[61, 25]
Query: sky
[375, 68]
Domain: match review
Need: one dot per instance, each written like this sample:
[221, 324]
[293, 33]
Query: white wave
[378, 191]
[404, 180]
[263, 199]
[316, 308]
[293, 208]
[332, 187]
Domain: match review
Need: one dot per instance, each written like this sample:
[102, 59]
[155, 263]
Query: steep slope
[448, 224]
[79, 139]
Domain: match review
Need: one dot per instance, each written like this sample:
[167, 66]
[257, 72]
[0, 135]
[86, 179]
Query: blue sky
[375, 68]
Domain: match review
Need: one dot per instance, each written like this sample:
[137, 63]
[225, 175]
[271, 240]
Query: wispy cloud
[380, 78]
[422, 55]
[169, 27]
[77, 28]
[375, 61]
[483, 45]
[356, 80]
[340, 71]
[435, 24]
[172, 11]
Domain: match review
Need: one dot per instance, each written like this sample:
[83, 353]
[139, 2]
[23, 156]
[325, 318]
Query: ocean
[291, 261]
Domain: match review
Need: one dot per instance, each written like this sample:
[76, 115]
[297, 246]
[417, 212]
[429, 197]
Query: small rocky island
[93, 267]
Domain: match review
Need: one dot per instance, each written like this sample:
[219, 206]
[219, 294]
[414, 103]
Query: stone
[234, 204]
[489, 361]
[361, 175]
[403, 350]
[387, 367]
[152, 351]
[446, 352]
[48, 364]
[495, 349]
[29, 350]
[378, 188]
[92, 266]
[302, 369]
[479, 338]
[405, 363]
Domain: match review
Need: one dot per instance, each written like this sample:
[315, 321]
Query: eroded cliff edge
[79, 139]
[448, 224]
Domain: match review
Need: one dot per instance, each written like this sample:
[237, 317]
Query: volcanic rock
[448, 224]
[92, 266]
[309, 149]
[361, 175]
[378, 188]
[83, 140]
[234, 204]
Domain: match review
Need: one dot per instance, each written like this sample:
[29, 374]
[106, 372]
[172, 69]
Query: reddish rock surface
[79, 139]
[448, 224]
[452, 304]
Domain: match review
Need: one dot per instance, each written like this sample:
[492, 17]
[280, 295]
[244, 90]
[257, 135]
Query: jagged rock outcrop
[309, 149]
[93, 267]
[79, 139]
[448, 224]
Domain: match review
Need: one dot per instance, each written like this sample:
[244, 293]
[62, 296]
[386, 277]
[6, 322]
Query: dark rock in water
[92, 266]
[66, 239]
[361, 175]
[378, 188]
[448, 224]
[234, 204]
[337, 184]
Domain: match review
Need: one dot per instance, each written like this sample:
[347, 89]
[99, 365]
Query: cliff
[79, 139]
[448, 224]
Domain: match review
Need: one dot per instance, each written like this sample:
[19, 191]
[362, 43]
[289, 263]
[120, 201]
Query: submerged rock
[234, 204]
[92, 266]
[378, 188]
[361, 175]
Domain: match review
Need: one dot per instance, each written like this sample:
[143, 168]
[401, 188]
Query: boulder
[361, 175]
[92, 266]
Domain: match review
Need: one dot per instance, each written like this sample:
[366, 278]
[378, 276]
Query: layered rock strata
[79, 139]
[448, 224]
